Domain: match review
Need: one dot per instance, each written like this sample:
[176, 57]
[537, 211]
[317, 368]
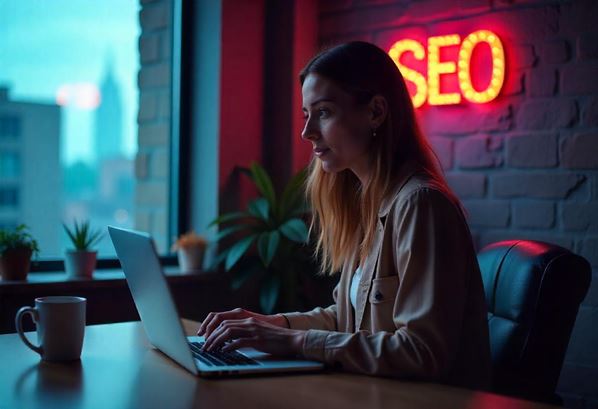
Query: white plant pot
[80, 264]
[191, 259]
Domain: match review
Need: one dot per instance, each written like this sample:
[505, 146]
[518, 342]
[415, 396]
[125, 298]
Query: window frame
[180, 125]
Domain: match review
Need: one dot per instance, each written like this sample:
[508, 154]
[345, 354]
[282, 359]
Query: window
[10, 164]
[10, 127]
[85, 117]
[9, 197]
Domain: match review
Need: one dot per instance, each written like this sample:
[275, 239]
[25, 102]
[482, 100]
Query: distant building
[30, 172]
[108, 131]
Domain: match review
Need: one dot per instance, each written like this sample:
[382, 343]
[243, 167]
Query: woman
[410, 300]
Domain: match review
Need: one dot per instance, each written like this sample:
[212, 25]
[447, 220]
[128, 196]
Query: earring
[374, 133]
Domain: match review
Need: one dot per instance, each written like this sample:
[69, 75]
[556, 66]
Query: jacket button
[378, 296]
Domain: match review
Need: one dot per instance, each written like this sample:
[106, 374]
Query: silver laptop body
[148, 285]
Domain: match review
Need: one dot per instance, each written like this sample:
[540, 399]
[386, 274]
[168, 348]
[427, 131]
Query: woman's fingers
[214, 319]
[229, 330]
[233, 334]
[204, 324]
[250, 342]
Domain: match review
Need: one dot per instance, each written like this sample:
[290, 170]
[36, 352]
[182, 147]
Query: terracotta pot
[79, 263]
[191, 259]
[15, 263]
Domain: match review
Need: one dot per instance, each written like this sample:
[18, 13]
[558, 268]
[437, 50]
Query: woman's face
[339, 129]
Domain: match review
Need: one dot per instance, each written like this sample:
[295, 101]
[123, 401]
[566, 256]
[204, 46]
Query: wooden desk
[119, 369]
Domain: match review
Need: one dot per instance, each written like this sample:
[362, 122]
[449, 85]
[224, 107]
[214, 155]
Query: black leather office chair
[533, 291]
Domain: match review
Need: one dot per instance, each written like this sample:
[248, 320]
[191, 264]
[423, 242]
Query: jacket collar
[407, 170]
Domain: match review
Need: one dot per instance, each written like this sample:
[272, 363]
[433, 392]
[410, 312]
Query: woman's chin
[330, 167]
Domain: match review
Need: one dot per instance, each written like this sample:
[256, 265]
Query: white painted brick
[443, 147]
[580, 216]
[156, 16]
[579, 78]
[477, 152]
[152, 193]
[149, 48]
[164, 103]
[160, 223]
[590, 112]
[549, 113]
[467, 185]
[554, 52]
[155, 76]
[533, 214]
[488, 213]
[148, 106]
[154, 134]
[536, 185]
[160, 164]
[142, 220]
[532, 150]
[580, 151]
[141, 166]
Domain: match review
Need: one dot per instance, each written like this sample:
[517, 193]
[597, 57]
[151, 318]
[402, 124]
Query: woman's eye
[323, 112]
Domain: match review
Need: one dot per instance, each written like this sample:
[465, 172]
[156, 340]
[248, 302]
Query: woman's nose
[309, 133]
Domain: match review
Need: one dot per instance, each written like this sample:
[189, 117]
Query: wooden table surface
[119, 369]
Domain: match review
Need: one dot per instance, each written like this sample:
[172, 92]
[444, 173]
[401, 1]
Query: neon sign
[429, 89]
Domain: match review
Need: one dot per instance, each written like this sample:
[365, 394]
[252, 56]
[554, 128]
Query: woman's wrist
[297, 341]
[280, 320]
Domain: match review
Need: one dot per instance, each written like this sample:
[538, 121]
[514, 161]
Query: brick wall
[153, 157]
[525, 166]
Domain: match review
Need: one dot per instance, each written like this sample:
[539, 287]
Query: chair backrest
[533, 291]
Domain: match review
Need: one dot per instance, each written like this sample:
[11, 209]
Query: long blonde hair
[344, 211]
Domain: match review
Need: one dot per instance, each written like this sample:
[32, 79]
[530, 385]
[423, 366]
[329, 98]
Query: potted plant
[16, 249]
[273, 226]
[190, 249]
[81, 261]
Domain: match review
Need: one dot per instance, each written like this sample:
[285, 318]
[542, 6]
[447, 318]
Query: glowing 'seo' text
[430, 90]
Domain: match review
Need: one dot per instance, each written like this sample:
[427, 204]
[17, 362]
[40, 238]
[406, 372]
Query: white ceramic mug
[60, 323]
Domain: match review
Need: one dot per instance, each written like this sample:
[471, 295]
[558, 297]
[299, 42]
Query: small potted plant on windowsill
[190, 249]
[16, 249]
[81, 262]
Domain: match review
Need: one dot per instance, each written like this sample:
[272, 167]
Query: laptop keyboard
[220, 358]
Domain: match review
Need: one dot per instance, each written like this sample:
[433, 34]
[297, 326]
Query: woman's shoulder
[422, 190]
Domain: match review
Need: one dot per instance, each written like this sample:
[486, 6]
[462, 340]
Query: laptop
[154, 302]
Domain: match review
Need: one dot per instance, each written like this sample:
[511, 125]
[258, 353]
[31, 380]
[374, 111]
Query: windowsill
[101, 279]
[109, 299]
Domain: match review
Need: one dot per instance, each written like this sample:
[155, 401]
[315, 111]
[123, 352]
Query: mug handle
[19, 326]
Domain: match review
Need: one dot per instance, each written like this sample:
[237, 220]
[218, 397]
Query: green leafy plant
[19, 238]
[82, 236]
[273, 225]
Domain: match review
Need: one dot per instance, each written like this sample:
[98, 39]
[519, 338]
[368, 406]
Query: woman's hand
[251, 332]
[241, 328]
[214, 319]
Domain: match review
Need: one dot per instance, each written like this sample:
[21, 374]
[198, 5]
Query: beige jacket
[421, 311]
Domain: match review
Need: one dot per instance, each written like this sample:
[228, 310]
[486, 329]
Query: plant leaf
[269, 293]
[94, 238]
[267, 246]
[263, 183]
[227, 232]
[293, 191]
[259, 208]
[69, 233]
[217, 260]
[242, 276]
[295, 230]
[237, 250]
[227, 218]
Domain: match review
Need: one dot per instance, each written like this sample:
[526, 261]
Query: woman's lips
[319, 152]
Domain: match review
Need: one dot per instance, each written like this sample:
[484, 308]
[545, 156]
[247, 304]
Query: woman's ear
[378, 107]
